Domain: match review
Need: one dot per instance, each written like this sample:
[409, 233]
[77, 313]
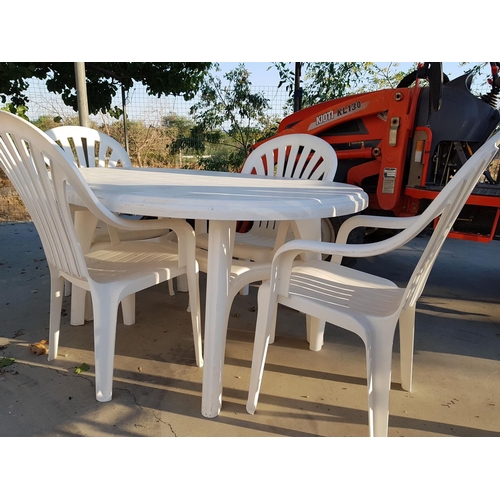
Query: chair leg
[315, 332]
[89, 315]
[195, 310]
[266, 323]
[56, 297]
[128, 309]
[182, 283]
[105, 307]
[171, 291]
[406, 341]
[246, 289]
[78, 297]
[379, 360]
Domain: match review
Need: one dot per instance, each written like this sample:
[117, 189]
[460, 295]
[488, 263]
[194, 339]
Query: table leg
[307, 230]
[220, 251]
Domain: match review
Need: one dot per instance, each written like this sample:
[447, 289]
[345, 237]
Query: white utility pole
[81, 94]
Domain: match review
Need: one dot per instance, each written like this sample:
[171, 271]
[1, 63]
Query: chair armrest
[354, 250]
[372, 221]
[285, 257]
[146, 224]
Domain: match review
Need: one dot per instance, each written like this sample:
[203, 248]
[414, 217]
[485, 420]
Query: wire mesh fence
[147, 109]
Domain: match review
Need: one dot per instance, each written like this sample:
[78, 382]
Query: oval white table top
[209, 195]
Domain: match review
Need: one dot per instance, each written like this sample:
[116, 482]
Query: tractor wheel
[329, 230]
[410, 78]
[436, 79]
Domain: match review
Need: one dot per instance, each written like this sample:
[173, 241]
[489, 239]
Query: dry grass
[12, 208]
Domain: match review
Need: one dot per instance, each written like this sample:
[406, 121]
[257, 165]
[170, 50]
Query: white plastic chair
[367, 305]
[40, 171]
[299, 156]
[91, 148]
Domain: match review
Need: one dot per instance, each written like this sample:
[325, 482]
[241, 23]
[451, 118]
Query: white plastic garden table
[221, 198]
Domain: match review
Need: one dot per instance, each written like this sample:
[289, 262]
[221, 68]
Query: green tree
[104, 80]
[323, 81]
[186, 138]
[320, 81]
[16, 110]
[376, 77]
[179, 126]
[230, 114]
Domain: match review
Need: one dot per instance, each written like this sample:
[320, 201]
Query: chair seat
[242, 272]
[251, 246]
[254, 239]
[109, 263]
[251, 238]
[341, 288]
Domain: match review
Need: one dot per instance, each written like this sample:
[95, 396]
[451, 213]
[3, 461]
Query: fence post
[124, 110]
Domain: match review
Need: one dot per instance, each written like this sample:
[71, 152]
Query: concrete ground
[157, 387]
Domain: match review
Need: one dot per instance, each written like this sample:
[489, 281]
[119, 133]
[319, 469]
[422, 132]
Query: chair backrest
[447, 206]
[302, 156]
[89, 147]
[40, 172]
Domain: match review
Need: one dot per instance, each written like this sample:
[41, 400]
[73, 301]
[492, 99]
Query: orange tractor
[403, 145]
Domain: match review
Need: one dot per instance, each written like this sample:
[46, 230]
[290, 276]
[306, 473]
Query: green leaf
[82, 368]
[6, 362]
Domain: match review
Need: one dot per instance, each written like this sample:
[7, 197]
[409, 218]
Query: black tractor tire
[411, 77]
[329, 230]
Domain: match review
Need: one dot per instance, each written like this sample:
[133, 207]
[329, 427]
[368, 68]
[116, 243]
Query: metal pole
[124, 107]
[81, 94]
[297, 97]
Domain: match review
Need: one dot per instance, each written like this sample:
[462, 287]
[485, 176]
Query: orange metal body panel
[378, 111]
